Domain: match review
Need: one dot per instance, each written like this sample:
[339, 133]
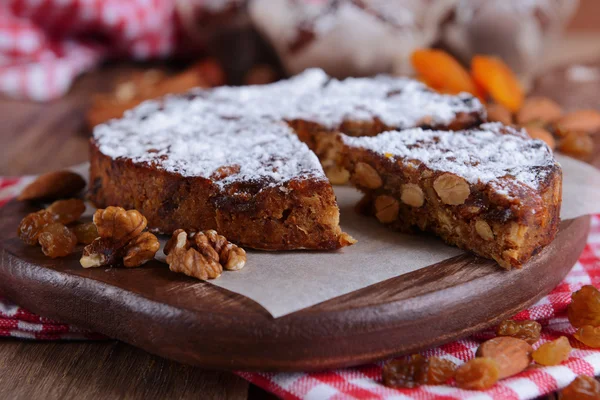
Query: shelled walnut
[203, 255]
[121, 239]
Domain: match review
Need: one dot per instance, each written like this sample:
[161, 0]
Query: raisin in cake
[316, 106]
[251, 180]
[491, 190]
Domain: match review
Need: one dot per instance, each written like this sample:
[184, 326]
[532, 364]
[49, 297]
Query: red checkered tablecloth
[364, 382]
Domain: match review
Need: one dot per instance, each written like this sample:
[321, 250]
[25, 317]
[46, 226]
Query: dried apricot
[496, 78]
[585, 307]
[417, 370]
[589, 335]
[57, 240]
[552, 353]
[67, 211]
[477, 374]
[582, 388]
[442, 72]
[529, 331]
[85, 233]
[577, 144]
[31, 226]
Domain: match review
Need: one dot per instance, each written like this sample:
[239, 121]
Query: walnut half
[121, 240]
[203, 255]
[185, 259]
[118, 224]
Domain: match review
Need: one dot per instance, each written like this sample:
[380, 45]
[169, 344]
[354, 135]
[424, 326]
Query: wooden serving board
[197, 323]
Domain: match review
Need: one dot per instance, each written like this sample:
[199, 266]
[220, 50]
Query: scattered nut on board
[203, 255]
[121, 240]
[52, 186]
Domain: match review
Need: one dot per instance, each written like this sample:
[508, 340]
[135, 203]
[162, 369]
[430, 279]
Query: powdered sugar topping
[481, 155]
[313, 96]
[197, 133]
[205, 145]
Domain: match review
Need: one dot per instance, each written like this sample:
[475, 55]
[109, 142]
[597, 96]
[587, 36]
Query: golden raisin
[417, 370]
[552, 353]
[529, 331]
[57, 240]
[585, 307]
[582, 388]
[85, 233]
[67, 211]
[477, 374]
[31, 226]
[577, 144]
[589, 335]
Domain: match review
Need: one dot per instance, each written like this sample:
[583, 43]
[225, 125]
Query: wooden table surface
[35, 138]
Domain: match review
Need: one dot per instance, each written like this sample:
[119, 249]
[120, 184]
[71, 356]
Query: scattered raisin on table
[85, 233]
[57, 240]
[528, 331]
[582, 388]
[477, 374]
[552, 353]
[585, 307]
[417, 370]
[67, 211]
[589, 335]
[31, 226]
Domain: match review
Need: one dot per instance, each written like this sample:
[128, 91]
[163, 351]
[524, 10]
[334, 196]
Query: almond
[587, 121]
[53, 185]
[539, 109]
[386, 209]
[484, 230]
[511, 354]
[577, 144]
[366, 176]
[452, 189]
[412, 195]
[535, 132]
[499, 113]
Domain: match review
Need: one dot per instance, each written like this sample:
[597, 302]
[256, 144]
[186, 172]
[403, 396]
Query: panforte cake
[491, 190]
[232, 158]
[251, 180]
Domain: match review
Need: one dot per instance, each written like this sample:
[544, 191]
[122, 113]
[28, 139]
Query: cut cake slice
[251, 180]
[491, 190]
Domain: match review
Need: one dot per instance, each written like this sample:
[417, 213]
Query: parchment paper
[284, 282]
